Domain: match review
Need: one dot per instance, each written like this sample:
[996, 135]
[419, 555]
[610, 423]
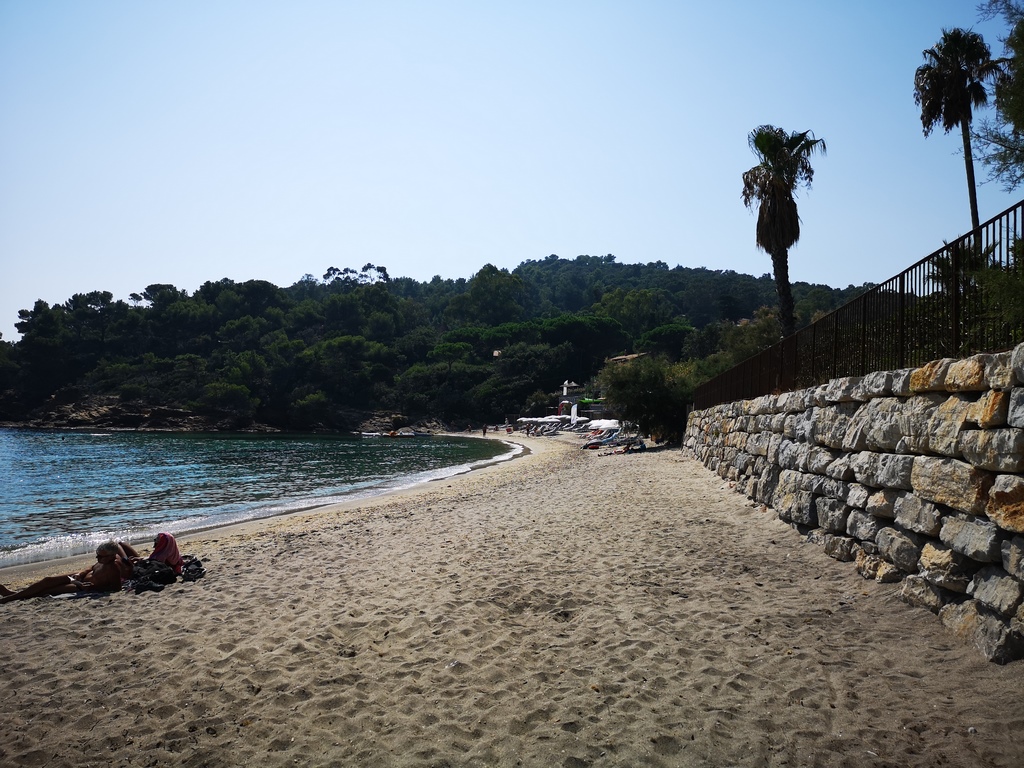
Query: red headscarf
[166, 551]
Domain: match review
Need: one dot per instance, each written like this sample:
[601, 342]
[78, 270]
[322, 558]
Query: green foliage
[231, 399]
[310, 355]
[310, 411]
[651, 392]
[668, 340]
[450, 353]
[1000, 140]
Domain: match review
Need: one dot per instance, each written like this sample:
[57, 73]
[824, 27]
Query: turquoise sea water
[61, 493]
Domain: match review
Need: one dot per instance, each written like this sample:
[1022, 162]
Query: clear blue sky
[187, 141]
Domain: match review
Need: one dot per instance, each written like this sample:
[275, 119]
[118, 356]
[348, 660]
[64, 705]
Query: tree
[949, 85]
[783, 164]
[1001, 139]
[651, 392]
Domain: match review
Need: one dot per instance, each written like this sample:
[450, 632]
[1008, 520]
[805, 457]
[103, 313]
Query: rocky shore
[109, 412]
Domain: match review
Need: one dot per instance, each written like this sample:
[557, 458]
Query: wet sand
[567, 608]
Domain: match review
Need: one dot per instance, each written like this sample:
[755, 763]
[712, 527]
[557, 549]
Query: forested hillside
[319, 353]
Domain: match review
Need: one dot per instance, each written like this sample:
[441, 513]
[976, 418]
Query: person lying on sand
[165, 550]
[104, 576]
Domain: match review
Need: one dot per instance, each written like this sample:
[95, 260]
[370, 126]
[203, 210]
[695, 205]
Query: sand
[562, 609]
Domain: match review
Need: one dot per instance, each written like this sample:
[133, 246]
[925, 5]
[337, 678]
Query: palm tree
[783, 164]
[950, 84]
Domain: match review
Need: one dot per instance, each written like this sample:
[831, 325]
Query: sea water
[63, 492]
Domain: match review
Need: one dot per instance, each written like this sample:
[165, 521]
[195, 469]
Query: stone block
[881, 470]
[812, 483]
[862, 526]
[819, 458]
[742, 461]
[790, 454]
[877, 384]
[882, 503]
[792, 503]
[832, 422]
[990, 410]
[895, 471]
[997, 450]
[806, 426]
[1006, 502]
[857, 495]
[945, 568]
[999, 371]
[888, 573]
[989, 633]
[834, 489]
[915, 514]
[972, 537]
[918, 591]
[968, 375]
[840, 548]
[952, 482]
[1017, 363]
[814, 396]
[841, 468]
[931, 377]
[1015, 410]
[871, 566]
[996, 589]
[843, 389]
[867, 564]
[866, 466]
[875, 426]
[899, 549]
[832, 514]
[757, 444]
[914, 419]
[1013, 557]
[946, 424]
[901, 382]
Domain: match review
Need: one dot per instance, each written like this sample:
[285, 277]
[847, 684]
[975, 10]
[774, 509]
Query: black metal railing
[963, 299]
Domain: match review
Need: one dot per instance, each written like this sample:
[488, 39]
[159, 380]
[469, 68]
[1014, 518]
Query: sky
[197, 140]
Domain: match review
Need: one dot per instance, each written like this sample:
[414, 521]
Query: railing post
[901, 315]
[863, 336]
[814, 351]
[954, 337]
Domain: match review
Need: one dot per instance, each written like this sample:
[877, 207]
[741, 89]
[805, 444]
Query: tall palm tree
[783, 164]
[950, 84]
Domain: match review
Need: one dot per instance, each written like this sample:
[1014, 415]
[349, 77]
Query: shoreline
[24, 573]
[81, 560]
[571, 609]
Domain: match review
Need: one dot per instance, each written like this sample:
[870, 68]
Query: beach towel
[166, 551]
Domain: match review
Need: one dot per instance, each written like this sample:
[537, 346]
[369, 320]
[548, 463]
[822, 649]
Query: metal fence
[965, 298]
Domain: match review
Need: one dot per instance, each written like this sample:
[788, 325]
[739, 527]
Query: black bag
[152, 576]
[192, 569]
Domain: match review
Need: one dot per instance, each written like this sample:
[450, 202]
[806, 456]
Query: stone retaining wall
[916, 476]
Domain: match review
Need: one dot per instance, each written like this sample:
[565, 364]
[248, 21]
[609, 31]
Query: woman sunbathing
[105, 576]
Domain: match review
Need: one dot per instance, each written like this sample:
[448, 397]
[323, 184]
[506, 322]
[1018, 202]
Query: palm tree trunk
[972, 189]
[780, 266]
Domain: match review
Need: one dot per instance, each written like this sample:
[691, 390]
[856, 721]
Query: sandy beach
[566, 608]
